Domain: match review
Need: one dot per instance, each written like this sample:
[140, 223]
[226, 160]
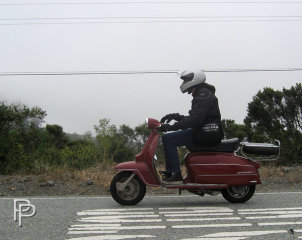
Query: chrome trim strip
[222, 164]
[227, 175]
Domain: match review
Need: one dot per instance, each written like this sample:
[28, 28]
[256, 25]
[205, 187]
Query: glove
[165, 127]
[167, 118]
[171, 116]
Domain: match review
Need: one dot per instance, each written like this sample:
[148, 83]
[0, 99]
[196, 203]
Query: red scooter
[210, 170]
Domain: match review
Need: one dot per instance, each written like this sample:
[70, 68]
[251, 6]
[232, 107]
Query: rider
[201, 127]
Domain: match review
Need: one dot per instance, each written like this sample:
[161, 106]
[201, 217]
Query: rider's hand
[172, 116]
[167, 118]
[165, 127]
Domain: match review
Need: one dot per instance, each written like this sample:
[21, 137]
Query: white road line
[90, 232]
[109, 197]
[96, 225]
[279, 223]
[115, 237]
[271, 212]
[278, 216]
[197, 211]
[220, 238]
[195, 208]
[243, 234]
[277, 193]
[214, 225]
[112, 213]
[119, 220]
[120, 209]
[198, 214]
[122, 216]
[119, 228]
[269, 209]
[201, 219]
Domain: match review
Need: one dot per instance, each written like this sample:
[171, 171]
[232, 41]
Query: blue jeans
[173, 140]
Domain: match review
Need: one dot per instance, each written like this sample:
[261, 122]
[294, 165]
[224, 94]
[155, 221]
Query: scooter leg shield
[143, 172]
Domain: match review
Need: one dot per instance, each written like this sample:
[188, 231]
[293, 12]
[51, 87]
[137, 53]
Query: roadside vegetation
[29, 146]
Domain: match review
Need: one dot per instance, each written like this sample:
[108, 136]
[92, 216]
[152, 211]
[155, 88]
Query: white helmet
[191, 79]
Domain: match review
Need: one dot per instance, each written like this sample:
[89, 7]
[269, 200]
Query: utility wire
[144, 17]
[151, 2]
[85, 73]
[255, 70]
[2, 74]
[155, 21]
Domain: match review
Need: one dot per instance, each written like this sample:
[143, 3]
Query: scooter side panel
[141, 170]
[222, 168]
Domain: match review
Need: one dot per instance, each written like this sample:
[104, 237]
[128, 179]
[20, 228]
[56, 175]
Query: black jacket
[204, 117]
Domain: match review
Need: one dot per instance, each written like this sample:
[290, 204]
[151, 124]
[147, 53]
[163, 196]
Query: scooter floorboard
[194, 185]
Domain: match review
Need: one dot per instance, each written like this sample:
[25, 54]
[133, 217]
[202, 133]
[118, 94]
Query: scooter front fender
[141, 170]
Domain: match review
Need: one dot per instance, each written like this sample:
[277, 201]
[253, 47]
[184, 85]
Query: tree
[233, 130]
[114, 144]
[104, 135]
[141, 132]
[58, 137]
[277, 115]
[19, 134]
[128, 135]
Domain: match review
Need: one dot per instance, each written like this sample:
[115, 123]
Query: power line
[154, 21]
[150, 2]
[255, 70]
[85, 73]
[2, 74]
[145, 17]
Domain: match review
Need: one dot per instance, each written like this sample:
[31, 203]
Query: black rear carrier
[250, 150]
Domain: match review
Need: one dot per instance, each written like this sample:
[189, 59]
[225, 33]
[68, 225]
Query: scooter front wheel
[238, 194]
[129, 194]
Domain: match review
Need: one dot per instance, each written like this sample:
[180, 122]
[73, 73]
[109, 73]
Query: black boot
[175, 178]
[165, 174]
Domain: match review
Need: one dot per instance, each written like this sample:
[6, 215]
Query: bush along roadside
[28, 147]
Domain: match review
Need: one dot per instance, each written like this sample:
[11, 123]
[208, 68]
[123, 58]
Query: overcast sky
[78, 102]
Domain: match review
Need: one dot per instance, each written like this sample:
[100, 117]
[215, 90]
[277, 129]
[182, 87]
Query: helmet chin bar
[192, 79]
[189, 91]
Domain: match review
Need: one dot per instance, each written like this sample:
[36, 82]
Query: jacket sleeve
[200, 105]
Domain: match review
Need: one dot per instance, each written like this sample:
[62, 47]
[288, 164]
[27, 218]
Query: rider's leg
[171, 141]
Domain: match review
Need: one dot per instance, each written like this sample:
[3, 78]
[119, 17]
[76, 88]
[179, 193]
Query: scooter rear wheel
[133, 193]
[238, 194]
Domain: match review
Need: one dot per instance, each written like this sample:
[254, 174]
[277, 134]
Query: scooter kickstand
[121, 186]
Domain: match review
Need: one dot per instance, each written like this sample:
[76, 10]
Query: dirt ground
[95, 182]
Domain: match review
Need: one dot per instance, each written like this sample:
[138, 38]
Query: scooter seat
[229, 145]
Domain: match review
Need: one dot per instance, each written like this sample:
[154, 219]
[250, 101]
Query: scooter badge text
[23, 208]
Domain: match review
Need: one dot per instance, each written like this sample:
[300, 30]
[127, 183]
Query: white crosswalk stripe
[217, 222]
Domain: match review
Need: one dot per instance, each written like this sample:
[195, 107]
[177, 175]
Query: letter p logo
[23, 208]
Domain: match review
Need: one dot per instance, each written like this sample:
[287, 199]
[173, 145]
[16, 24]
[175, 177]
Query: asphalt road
[265, 216]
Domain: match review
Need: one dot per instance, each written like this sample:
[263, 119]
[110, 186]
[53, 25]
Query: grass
[289, 174]
[102, 174]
